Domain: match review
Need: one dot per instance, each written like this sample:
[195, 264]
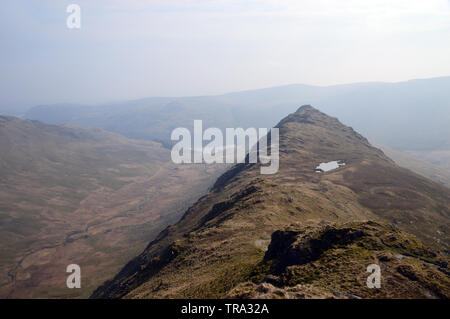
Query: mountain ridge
[221, 240]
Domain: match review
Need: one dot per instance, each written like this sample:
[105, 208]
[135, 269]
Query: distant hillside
[411, 115]
[84, 196]
[414, 162]
[301, 233]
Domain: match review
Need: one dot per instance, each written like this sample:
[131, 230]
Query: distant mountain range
[411, 115]
[302, 233]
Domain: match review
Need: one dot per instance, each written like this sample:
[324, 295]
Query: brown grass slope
[221, 240]
[84, 196]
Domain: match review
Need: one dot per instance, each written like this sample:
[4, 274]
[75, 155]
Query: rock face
[218, 248]
[329, 262]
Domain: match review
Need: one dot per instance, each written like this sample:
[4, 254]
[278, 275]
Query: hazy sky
[131, 49]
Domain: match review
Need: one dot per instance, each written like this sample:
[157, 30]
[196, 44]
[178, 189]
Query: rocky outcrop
[334, 259]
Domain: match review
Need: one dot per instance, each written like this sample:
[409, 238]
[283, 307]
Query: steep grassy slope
[221, 240]
[84, 196]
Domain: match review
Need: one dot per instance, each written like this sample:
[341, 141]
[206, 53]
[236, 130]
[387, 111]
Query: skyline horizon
[127, 100]
[132, 50]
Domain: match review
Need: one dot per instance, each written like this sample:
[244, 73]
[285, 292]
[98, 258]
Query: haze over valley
[189, 149]
[411, 117]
